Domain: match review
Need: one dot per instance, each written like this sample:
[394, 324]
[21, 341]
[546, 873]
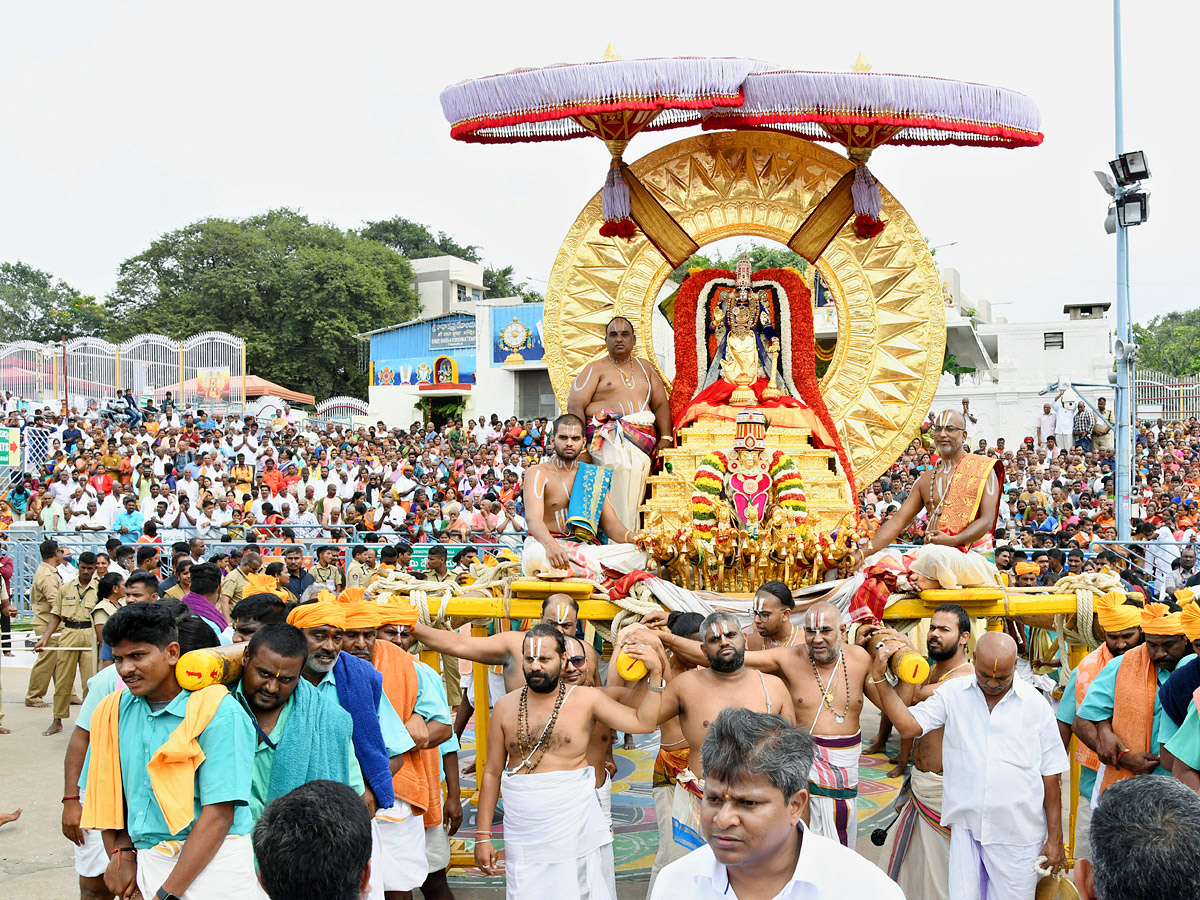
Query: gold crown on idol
[751, 431]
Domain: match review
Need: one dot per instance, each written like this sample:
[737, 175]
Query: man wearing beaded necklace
[628, 416]
[917, 855]
[827, 679]
[554, 829]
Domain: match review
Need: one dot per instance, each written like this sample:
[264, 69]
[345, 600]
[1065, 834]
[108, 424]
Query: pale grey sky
[120, 121]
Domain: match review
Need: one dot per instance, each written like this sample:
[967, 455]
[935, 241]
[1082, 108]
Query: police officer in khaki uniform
[72, 610]
[359, 572]
[46, 582]
[327, 572]
[236, 581]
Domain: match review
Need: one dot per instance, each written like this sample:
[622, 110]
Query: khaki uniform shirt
[46, 583]
[233, 585]
[103, 611]
[327, 575]
[358, 575]
[74, 602]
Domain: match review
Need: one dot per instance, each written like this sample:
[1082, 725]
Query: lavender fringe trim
[614, 198]
[865, 191]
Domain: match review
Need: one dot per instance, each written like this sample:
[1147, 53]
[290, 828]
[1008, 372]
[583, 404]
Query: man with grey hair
[756, 768]
[1145, 842]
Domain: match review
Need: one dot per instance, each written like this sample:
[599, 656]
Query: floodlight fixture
[1130, 168]
[1133, 209]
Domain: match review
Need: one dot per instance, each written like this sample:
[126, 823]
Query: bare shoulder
[587, 374]
[507, 705]
[856, 655]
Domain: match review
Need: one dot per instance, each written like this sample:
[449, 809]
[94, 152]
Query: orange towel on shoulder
[1133, 708]
[416, 783]
[172, 767]
[1084, 676]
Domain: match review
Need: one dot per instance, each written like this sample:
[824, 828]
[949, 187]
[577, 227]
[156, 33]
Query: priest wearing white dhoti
[554, 830]
[1002, 758]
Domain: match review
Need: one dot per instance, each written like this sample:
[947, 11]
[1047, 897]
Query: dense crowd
[155, 475]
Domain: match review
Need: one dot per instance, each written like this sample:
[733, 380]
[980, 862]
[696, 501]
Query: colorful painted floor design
[634, 822]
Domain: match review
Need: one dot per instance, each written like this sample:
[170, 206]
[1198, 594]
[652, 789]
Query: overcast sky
[120, 121]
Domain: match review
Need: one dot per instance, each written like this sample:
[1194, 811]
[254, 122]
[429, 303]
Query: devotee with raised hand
[315, 844]
[380, 738]
[756, 769]
[627, 413]
[1145, 836]
[554, 828]
[827, 681]
[917, 853]
[1002, 757]
[562, 498]
[184, 829]
[300, 735]
[1120, 716]
[1119, 622]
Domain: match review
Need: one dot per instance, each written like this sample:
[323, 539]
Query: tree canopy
[412, 240]
[1170, 343]
[295, 290]
[36, 306]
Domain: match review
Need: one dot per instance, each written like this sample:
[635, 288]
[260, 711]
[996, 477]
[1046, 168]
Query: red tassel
[623, 228]
[867, 227]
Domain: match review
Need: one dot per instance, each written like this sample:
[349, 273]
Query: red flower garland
[623, 227]
[867, 227]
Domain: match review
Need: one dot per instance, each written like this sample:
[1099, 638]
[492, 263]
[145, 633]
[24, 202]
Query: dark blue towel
[359, 688]
[1175, 694]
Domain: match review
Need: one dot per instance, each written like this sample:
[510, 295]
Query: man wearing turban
[1027, 574]
[1177, 697]
[1119, 622]
[1121, 714]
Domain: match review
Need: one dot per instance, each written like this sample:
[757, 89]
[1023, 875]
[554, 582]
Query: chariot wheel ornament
[891, 314]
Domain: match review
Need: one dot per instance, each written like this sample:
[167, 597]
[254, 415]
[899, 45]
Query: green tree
[503, 283]
[412, 240]
[295, 290]
[1170, 343]
[761, 257]
[36, 306]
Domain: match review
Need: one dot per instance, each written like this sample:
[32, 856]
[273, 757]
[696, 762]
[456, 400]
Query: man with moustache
[537, 754]
[1002, 757]
[827, 681]
[1120, 622]
[917, 855]
[696, 697]
[300, 735]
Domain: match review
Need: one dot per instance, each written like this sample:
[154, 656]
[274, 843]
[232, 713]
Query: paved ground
[36, 861]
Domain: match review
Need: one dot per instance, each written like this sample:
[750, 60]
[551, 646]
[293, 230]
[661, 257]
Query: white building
[447, 284]
[1016, 361]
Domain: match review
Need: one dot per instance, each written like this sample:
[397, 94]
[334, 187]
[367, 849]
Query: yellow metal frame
[991, 603]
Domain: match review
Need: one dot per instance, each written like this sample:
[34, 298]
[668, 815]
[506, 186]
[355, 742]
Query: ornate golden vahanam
[891, 317]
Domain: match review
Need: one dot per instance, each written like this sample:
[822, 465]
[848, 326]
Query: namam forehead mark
[718, 630]
[561, 612]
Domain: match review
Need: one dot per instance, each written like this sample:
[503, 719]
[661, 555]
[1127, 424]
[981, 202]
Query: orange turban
[403, 613]
[351, 595]
[1189, 618]
[1027, 568]
[360, 614]
[1114, 614]
[313, 615]
[1156, 620]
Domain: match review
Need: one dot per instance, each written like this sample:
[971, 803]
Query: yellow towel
[172, 767]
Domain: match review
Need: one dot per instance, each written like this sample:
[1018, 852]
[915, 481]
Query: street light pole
[1124, 404]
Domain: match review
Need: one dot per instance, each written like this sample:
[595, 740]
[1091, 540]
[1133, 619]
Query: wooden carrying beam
[826, 220]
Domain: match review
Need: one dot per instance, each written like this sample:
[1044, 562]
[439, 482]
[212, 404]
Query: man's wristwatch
[162, 894]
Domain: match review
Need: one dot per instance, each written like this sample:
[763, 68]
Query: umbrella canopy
[862, 110]
[255, 387]
[610, 99]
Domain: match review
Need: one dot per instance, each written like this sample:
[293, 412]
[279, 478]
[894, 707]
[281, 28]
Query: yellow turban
[1027, 568]
[1183, 596]
[1156, 620]
[1189, 618]
[323, 612]
[351, 595]
[1114, 614]
[360, 614]
[403, 613]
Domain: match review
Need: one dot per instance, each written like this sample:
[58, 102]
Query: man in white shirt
[756, 769]
[1064, 424]
[1002, 756]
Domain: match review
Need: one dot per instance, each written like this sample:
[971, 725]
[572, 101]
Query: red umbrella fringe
[622, 228]
[866, 226]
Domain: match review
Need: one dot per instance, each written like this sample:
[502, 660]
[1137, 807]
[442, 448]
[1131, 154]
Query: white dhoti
[587, 560]
[229, 875]
[833, 787]
[90, 859]
[685, 811]
[991, 871]
[398, 860]
[614, 450]
[496, 687]
[1083, 829]
[917, 853]
[604, 796]
[553, 834]
[437, 848]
